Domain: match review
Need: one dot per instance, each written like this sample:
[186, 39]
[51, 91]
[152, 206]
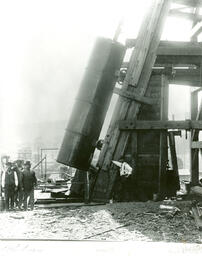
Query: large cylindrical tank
[91, 104]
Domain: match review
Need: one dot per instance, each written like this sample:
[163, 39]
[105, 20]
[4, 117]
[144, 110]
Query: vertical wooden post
[87, 188]
[41, 163]
[163, 152]
[194, 137]
[134, 150]
[45, 173]
[134, 154]
[174, 158]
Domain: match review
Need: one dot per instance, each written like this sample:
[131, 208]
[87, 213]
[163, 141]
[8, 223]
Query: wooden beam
[87, 188]
[196, 30]
[131, 42]
[196, 144]
[190, 3]
[163, 147]
[198, 90]
[176, 53]
[138, 74]
[173, 154]
[190, 77]
[197, 218]
[135, 97]
[178, 59]
[185, 15]
[159, 125]
[195, 115]
[134, 153]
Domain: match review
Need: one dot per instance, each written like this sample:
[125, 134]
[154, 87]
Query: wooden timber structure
[139, 130]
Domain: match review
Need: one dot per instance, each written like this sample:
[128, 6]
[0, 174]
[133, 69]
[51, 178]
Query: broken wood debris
[197, 214]
[169, 211]
[106, 231]
[59, 205]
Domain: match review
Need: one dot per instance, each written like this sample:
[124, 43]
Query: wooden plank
[148, 159]
[59, 205]
[196, 144]
[173, 52]
[173, 154]
[198, 90]
[196, 30]
[190, 3]
[159, 125]
[163, 149]
[150, 28]
[197, 218]
[131, 42]
[133, 108]
[134, 151]
[135, 97]
[178, 59]
[176, 51]
[185, 15]
[194, 136]
[194, 37]
[87, 188]
[162, 164]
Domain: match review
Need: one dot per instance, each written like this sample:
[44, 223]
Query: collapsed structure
[139, 132]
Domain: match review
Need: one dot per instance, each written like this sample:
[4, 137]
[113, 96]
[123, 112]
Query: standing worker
[9, 185]
[19, 192]
[28, 182]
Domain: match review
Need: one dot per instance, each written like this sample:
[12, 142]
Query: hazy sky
[44, 48]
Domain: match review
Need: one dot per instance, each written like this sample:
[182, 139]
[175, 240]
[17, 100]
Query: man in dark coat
[9, 185]
[19, 193]
[28, 182]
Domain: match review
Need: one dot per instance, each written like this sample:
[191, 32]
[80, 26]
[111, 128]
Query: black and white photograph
[100, 120]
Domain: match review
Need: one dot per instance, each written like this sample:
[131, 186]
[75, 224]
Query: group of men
[18, 182]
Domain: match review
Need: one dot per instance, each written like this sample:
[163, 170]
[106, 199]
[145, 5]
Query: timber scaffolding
[139, 130]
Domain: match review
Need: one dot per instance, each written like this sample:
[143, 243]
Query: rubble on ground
[168, 221]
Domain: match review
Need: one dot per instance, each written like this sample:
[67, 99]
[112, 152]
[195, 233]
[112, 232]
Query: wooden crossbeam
[176, 52]
[198, 90]
[185, 15]
[197, 29]
[135, 97]
[159, 125]
[131, 42]
[196, 144]
[190, 3]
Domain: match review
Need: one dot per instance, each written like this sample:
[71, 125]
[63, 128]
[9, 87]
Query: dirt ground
[132, 221]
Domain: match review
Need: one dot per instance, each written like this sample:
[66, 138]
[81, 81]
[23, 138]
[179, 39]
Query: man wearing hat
[28, 182]
[19, 193]
[9, 185]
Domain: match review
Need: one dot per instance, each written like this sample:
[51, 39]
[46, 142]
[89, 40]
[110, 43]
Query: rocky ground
[132, 221]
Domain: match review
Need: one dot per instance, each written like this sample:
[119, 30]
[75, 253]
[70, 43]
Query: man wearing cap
[9, 185]
[28, 182]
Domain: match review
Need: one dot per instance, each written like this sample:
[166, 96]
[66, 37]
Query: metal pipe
[91, 104]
